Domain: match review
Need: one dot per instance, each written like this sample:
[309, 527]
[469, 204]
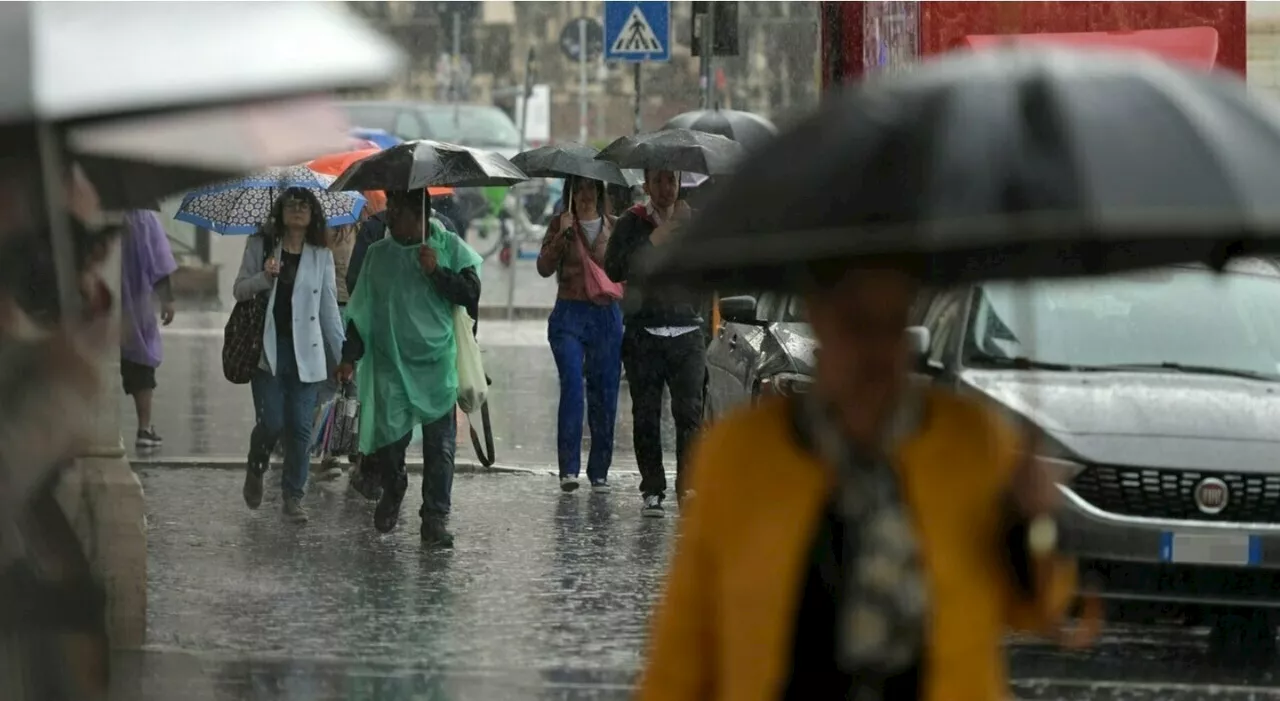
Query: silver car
[1156, 396]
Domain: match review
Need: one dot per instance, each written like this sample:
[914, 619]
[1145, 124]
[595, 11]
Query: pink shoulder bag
[600, 289]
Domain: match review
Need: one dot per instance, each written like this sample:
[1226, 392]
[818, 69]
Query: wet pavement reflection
[546, 596]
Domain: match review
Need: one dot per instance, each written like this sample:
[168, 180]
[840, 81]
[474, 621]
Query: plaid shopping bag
[344, 424]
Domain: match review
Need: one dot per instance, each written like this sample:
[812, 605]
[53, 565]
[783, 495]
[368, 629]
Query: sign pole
[455, 88]
[639, 123]
[582, 80]
[524, 129]
[707, 45]
[601, 78]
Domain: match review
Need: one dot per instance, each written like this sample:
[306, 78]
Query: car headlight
[786, 384]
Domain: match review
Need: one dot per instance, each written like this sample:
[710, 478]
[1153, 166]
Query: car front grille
[1170, 494]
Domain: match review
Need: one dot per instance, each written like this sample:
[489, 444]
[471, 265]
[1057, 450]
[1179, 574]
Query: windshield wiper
[1021, 362]
[1191, 369]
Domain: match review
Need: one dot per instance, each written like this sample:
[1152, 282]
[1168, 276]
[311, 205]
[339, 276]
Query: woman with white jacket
[301, 340]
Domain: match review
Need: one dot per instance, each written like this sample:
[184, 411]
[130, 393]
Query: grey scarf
[880, 631]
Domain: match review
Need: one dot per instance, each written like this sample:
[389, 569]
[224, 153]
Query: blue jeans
[439, 444]
[586, 336]
[284, 407]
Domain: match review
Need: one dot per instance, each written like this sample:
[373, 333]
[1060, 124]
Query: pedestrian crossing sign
[637, 31]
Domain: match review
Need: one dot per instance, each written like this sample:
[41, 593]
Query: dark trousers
[586, 336]
[439, 443]
[284, 407]
[680, 365]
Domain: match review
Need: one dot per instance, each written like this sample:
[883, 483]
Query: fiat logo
[1211, 495]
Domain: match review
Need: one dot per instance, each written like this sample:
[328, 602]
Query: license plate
[1211, 549]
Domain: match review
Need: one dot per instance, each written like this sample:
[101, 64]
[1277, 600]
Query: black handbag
[242, 336]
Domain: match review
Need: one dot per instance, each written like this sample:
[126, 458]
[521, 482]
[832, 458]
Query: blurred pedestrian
[301, 340]
[584, 333]
[400, 337]
[904, 529]
[146, 263]
[663, 344]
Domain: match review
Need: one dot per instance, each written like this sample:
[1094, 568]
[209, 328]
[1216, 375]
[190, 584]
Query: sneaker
[568, 484]
[435, 535]
[148, 438]
[600, 487]
[387, 514]
[253, 484]
[293, 510]
[652, 506]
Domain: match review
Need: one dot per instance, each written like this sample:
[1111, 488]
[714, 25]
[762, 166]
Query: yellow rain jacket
[724, 631]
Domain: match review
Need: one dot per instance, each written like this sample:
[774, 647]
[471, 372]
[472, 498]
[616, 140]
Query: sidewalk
[545, 595]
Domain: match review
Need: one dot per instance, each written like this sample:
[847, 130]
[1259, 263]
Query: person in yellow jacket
[873, 539]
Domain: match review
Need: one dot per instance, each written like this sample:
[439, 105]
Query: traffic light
[724, 20]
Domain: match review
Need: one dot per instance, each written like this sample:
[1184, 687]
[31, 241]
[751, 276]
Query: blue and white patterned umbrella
[242, 205]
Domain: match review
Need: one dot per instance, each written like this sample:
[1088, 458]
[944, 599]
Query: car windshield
[471, 125]
[1183, 318]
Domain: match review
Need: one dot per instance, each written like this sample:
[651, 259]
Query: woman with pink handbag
[585, 331]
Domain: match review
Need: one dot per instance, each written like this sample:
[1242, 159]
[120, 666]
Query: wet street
[546, 596]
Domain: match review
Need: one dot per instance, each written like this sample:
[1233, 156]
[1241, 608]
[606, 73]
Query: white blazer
[317, 323]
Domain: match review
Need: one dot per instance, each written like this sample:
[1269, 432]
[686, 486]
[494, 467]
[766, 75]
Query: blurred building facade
[476, 52]
[1264, 47]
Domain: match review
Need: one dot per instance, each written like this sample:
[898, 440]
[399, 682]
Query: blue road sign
[637, 31]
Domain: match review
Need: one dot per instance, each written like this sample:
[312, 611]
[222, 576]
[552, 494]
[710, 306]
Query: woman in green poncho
[400, 344]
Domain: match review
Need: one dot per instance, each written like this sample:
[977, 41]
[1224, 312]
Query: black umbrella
[747, 128]
[417, 164]
[675, 149]
[996, 164]
[568, 160]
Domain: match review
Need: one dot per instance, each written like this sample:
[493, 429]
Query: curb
[462, 467]
[499, 313]
[490, 312]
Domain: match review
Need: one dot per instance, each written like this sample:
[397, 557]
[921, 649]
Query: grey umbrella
[675, 149]
[1003, 163]
[423, 163]
[747, 128]
[568, 160]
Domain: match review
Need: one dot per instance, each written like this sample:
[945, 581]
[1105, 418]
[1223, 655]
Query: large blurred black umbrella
[73, 61]
[417, 164]
[747, 128]
[157, 70]
[568, 160]
[675, 149]
[996, 164]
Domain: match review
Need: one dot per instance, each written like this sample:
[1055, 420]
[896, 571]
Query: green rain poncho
[408, 375]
